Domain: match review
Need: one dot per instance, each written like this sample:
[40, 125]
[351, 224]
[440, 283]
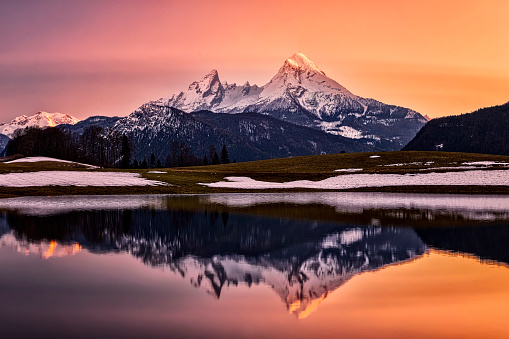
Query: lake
[353, 265]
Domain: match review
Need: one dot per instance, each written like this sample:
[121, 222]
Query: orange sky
[109, 57]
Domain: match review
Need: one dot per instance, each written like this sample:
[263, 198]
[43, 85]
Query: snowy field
[75, 178]
[473, 177]
[46, 159]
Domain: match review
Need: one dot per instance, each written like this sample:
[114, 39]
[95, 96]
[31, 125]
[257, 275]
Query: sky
[93, 57]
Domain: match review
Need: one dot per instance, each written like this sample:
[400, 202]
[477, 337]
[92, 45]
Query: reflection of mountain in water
[301, 260]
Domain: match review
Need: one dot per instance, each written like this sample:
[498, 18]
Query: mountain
[301, 93]
[40, 119]
[154, 126]
[482, 131]
[99, 121]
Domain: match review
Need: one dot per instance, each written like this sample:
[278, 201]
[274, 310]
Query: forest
[483, 131]
[104, 148]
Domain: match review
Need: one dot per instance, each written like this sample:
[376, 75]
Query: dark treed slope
[282, 139]
[155, 126]
[100, 121]
[483, 131]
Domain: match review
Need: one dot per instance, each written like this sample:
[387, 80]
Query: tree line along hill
[105, 148]
[483, 131]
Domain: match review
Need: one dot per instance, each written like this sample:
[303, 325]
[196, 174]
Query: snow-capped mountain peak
[301, 93]
[208, 81]
[301, 62]
[40, 119]
[301, 79]
[200, 95]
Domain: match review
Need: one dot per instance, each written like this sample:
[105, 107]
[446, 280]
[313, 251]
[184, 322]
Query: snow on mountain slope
[40, 119]
[210, 92]
[303, 94]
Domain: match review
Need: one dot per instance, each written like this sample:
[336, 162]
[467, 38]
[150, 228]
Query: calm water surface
[353, 265]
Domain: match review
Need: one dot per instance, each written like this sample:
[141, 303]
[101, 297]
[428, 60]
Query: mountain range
[302, 94]
[300, 111]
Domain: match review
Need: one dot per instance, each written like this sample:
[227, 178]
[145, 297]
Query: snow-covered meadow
[75, 178]
[47, 159]
[348, 181]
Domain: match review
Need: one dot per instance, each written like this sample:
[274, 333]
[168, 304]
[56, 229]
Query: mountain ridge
[302, 93]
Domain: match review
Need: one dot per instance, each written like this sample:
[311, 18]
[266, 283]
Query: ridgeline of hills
[483, 131]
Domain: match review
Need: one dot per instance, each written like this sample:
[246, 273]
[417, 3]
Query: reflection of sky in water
[348, 280]
[437, 296]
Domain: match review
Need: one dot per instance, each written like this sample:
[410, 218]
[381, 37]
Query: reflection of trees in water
[160, 236]
[485, 241]
[97, 229]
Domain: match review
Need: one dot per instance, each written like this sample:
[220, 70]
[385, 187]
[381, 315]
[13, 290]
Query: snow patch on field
[474, 177]
[41, 159]
[485, 163]
[75, 178]
[156, 172]
[348, 170]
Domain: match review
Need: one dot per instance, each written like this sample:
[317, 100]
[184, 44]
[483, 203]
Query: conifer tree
[225, 158]
[152, 160]
[125, 153]
[215, 159]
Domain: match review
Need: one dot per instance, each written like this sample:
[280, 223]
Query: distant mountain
[100, 121]
[154, 126]
[302, 94]
[40, 119]
[482, 131]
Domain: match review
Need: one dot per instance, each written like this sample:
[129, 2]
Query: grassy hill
[317, 167]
